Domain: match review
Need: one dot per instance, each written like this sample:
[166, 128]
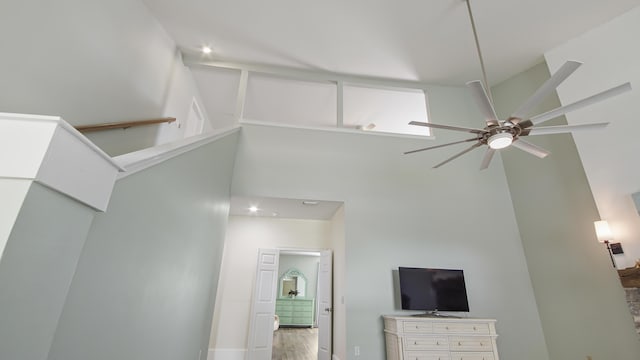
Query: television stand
[410, 338]
[436, 314]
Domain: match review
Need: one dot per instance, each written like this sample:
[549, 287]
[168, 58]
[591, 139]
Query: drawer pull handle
[417, 327]
[438, 343]
[459, 343]
[481, 345]
[474, 328]
[415, 343]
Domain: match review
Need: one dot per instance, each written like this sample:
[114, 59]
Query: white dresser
[439, 338]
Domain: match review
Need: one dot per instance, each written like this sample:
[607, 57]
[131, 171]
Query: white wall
[144, 287]
[400, 212]
[245, 235]
[93, 62]
[609, 157]
[182, 93]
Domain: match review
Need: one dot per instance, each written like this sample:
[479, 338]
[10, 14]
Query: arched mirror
[293, 284]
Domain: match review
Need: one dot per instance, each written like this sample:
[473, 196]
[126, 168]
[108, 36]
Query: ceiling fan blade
[439, 146]
[530, 148]
[562, 129]
[582, 103]
[459, 154]
[482, 100]
[487, 158]
[562, 74]
[447, 127]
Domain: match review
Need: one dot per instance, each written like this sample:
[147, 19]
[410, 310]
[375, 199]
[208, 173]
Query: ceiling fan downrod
[475, 37]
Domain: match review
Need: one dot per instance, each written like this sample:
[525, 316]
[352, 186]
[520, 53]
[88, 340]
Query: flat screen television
[433, 290]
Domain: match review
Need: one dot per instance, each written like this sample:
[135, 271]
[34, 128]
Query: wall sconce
[603, 232]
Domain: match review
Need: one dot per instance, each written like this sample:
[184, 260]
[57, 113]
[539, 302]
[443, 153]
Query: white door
[263, 307]
[325, 297]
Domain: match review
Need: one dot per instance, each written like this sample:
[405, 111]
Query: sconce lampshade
[603, 232]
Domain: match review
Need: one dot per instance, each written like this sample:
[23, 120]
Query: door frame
[274, 289]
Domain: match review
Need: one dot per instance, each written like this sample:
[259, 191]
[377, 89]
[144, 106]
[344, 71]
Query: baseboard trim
[335, 357]
[226, 354]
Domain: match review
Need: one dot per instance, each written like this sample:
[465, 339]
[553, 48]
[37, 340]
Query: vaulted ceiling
[426, 40]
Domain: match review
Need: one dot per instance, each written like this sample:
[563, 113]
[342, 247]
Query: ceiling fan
[498, 134]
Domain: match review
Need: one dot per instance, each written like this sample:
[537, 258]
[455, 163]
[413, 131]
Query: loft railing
[123, 124]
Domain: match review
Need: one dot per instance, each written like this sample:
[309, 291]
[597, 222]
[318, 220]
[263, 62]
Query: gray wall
[609, 157]
[145, 284]
[400, 212]
[36, 270]
[579, 297]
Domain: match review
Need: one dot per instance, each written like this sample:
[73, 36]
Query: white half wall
[611, 56]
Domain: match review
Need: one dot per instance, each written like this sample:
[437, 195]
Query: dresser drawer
[302, 304]
[305, 313]
[426, 355]
[426, 343]
[461, 328]
[284, 307]
[470, 343]
[472, 356]
[417, 326]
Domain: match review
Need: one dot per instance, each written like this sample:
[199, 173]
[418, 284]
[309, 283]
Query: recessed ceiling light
[206, 50]
[310, 202]
[253, 209]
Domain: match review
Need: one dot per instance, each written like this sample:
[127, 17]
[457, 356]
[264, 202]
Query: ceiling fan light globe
[500, 141]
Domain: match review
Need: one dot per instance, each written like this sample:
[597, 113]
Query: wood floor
[295, 344]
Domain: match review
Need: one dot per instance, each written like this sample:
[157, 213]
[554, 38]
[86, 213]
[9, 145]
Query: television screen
[433, 289]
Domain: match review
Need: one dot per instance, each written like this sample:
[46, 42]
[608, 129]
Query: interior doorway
[294, 290]
[302, 328]
[277, 224]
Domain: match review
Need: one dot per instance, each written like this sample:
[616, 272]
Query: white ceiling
[283, 208]
[420, 40]
[425, 40]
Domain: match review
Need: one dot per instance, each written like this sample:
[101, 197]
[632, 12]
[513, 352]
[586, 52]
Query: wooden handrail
[123, 124]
